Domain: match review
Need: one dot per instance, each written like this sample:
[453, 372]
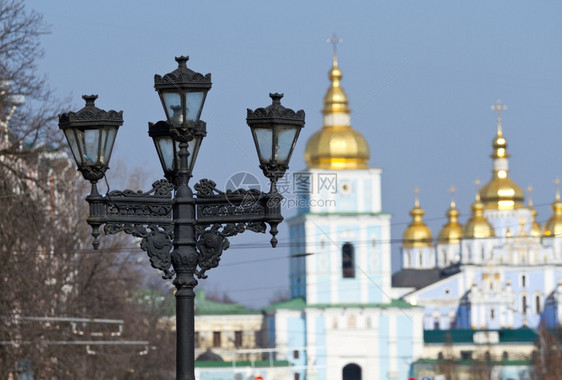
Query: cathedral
[501, 270]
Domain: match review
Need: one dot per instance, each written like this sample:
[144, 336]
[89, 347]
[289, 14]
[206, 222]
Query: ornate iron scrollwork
[212, 241]
[146, 215]
[156, 242]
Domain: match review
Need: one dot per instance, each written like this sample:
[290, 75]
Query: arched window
[537, 304]
[523, 281]
[524, 305]
[420, 257]
[351, 372]
[348, 260]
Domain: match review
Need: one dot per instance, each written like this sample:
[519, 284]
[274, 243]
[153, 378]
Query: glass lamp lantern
[275, 130]
[91, 134]
[168, 148]
[183, 94]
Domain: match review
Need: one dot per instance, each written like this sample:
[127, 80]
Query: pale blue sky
[420, 76]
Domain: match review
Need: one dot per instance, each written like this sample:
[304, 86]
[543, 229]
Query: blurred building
[226, 329]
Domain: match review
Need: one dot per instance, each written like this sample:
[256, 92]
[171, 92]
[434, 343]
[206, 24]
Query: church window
[505, 356]
[436, 324]
[537, 304]
[374, 242]
[492, 313]
[483, 253]
[297, 376]
[348, 260]
[295, 354]
[420, 257]
[524, 305]
[523, 281]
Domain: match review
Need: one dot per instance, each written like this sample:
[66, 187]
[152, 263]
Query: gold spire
[553, 226]
[536, 230]
[337, 145]
[418, 233]
[335, 100]
[501, 192]
[452, 231]
[478, 226]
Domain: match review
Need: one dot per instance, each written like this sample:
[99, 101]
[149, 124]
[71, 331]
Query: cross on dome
[452, 190]
[335, 41]
[417, 196]
[499, 107]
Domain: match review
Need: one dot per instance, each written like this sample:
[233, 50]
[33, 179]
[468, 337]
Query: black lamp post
[183, 234]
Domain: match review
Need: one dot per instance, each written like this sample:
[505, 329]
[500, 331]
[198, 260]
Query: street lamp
[184, 234]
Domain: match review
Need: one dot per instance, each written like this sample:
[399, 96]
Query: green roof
[203, 306]
[300, 304]
[467, 336]
[257, 364]
[293, 304]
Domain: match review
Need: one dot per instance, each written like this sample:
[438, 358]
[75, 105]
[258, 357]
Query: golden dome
[478, 226]
[452, 231]
[553, 226]
[337, 145]
[335, 100]
[501, 192]
[418, 233]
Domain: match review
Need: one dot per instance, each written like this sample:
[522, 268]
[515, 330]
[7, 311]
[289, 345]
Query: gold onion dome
[418, 233]
[452, 231]
[337, 145]
[553, 226]
[478, 226]
[501, 192]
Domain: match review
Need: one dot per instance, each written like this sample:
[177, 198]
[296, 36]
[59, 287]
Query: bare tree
[547, 358]
[48, 272]
[26, 129]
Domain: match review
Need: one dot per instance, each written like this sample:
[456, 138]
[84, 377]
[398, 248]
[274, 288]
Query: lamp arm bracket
[146, 215]
[156, 241]
[212, 240]
[250, 207]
